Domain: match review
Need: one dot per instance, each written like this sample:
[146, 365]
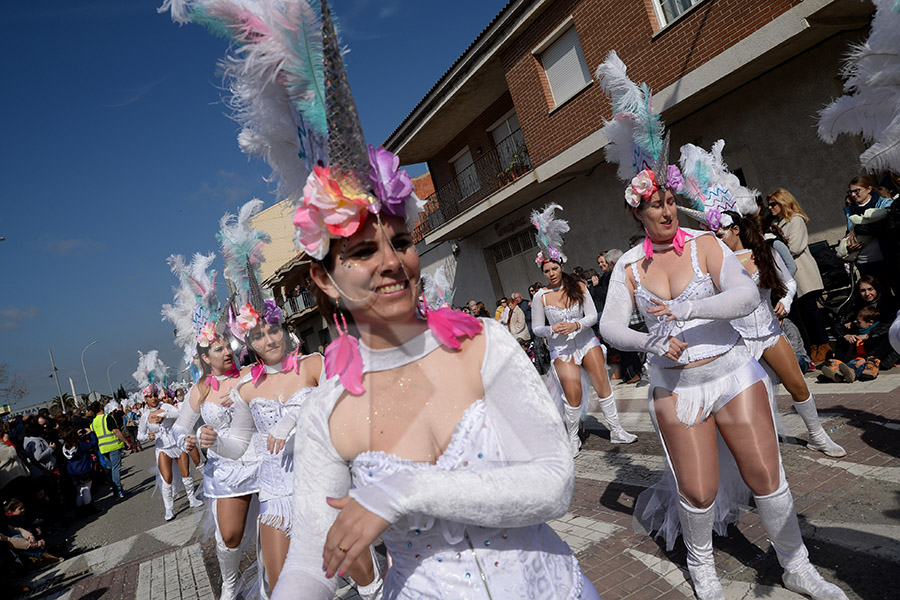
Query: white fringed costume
[471, 525]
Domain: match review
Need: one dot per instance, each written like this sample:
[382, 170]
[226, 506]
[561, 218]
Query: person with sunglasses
[866, 211]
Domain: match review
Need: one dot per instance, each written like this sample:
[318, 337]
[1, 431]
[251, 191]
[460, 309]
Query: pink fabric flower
[342, 215]
[342, 358]
[449, 325]
[207, 335]
[714, 219]
[247, 318]
[644, 183]
[392, 185]
[313, 235]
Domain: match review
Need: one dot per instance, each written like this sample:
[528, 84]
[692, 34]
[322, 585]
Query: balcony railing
[493, 170]
[294, 305]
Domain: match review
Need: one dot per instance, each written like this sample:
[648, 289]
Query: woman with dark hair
[760, 329]
[870, 292]
[78, 449]
[792, 220]
[563, 313]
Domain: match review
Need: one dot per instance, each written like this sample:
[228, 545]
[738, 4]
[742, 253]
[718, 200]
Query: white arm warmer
[538, 319]
[789, 282]
[235, 442]
[738, 295]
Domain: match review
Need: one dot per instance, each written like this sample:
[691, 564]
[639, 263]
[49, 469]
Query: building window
[669, 10]
[510, 143]
[566, 68]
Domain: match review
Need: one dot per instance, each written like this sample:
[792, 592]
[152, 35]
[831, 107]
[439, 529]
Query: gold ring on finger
[342, 549]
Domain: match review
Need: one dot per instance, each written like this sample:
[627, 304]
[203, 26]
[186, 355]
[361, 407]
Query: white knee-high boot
[229, 566]
[818, 438]
[193, 501]
[373, 591]
[617, 433]
[573, 423]
[168, 498]
[696, 529]
[778, 516]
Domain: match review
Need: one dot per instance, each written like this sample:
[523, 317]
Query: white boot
[818, 439]
[573, 423]
[229, 564]
[617, 434]
[168, 498]
[372, 591]
[193, 501]
[778, 516]
[696, 529]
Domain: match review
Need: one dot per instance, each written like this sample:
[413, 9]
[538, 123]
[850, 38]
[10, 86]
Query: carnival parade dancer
[560, 314]
[230, 484]
[704, 384]
[760, 329]
[156, 426]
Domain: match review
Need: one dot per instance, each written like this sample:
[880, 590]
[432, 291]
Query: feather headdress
[638, 142]
[550, 232]
[870, 105]
[195, 311]
[438, 288]
[712, 188]
[291, 95]
[151, 373]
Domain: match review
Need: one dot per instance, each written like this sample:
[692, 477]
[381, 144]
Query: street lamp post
[86, 380]
[111, 393]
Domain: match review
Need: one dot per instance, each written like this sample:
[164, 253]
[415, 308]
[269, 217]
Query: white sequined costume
[472, 525]
[570, 347]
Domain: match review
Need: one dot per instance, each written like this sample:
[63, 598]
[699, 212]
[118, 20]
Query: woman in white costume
[704, 384]
[230, 484]
[560, 314]
[760, 329]
[156, 426]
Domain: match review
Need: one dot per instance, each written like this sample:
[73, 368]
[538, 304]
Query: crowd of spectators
[50, 470]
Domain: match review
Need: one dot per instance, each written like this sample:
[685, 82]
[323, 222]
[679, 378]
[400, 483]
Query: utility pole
[74, 397]
[111, 393]
[56, 378]
[85, 370]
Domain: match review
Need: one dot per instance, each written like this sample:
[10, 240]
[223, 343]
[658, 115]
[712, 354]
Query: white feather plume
[550, 231]
[710, 185]
[439, 289]
[870, 105]
[195, 298]
[150, 369]
[242, 244]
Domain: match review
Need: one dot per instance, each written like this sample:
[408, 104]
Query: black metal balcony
[493, 170]
[296, 305]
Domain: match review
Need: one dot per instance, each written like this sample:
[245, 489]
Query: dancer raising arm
[703, 380]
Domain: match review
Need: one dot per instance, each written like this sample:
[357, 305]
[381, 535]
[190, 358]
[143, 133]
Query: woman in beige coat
[792, 221]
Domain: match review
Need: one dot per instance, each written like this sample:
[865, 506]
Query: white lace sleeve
[538, 318]
[145, 427]
[789, 282]
[534, 482]
[590, 312]
[291, 409]
[738, 295]
[319, 473]
[235, 442]
[617, 315]
[187, 418]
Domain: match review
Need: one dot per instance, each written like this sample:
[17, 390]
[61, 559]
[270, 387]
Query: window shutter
[566, 68]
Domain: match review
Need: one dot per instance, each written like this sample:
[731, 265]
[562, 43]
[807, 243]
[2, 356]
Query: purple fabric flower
[674, 180]
[272, 313]
[392, 186]
[714, 219]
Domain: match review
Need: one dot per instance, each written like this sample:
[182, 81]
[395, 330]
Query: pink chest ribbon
[449, 325]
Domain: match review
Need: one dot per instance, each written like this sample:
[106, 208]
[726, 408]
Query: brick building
[516, 121]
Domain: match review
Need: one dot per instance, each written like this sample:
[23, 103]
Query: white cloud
[11, 317]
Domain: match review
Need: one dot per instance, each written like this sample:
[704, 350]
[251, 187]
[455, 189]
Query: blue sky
[118, 152]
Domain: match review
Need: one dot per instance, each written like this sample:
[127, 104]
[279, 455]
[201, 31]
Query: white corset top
[439, 558]
[762, 322]
[556, 314]
[705, 337]
[216, 415]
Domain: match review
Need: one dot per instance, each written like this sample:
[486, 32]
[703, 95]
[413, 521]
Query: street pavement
[849, 511]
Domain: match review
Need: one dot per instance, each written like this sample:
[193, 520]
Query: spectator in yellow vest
[111, 440]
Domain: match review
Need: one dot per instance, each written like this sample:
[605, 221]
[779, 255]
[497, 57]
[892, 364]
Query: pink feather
[449, 325]
[342, 358]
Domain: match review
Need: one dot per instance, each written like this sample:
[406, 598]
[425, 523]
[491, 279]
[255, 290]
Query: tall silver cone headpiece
[348, 156]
